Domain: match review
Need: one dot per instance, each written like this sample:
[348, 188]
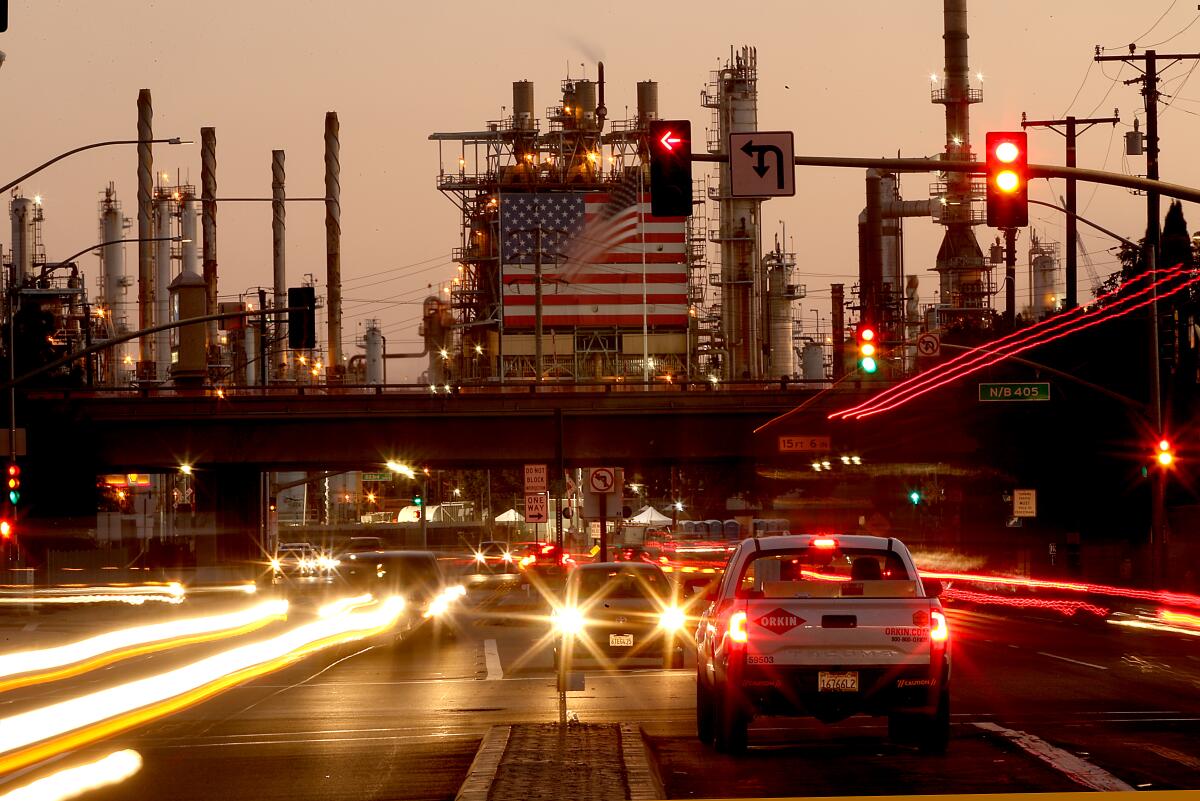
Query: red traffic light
[1007, 179]
[6, 529]
[670, 144]
[669, 139]
[1165, 455]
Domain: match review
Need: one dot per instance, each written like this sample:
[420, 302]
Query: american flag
[592, 254]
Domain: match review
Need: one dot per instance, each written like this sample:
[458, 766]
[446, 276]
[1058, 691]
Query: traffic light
[914, 497]
[302, 319]
[14, 483]
[418, 500]
[671, 168]
[868, 351]
[1164, 454]
[7, 529]
[1007, 180]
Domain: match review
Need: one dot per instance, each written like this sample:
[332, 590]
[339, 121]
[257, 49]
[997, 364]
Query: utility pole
[538, 232]
[1149, 81]
[1072, 131]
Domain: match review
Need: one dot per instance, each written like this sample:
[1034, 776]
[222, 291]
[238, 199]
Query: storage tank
[373, 342]
[1045, 284]
[780, 295]
[523, 115]
[813, 357]
[22, 212]
[584, 107]
[647, 102]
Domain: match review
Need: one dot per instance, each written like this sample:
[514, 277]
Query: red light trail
[1006, 345]
[988, 359]
[1067, 608]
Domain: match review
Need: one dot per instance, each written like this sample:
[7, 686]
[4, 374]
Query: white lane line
[1078, 770]
[1072, 661]
[491, 656]
[310, 740]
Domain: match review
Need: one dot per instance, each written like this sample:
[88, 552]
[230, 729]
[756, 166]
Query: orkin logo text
[780, 621]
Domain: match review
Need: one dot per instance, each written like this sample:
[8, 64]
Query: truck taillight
[737, 627]
[824, 542]
[938, 632]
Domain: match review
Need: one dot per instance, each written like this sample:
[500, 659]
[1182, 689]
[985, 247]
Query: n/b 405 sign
[1022, 391]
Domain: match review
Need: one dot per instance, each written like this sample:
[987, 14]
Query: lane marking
[491, 656]
[1073, 661]
[392, 737]
[29, 627]
[1076, 769]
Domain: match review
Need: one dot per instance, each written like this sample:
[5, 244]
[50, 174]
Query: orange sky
[849, 79]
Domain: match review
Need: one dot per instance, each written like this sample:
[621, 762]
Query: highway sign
[804, 444]
[535, 478]
[1024, 503]
[1015, 391]
[762, 164]
[536, 508]
[602, 480]
[377, 477]
[929, 344]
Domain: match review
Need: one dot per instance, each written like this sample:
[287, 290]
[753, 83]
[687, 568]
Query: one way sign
[762, 164]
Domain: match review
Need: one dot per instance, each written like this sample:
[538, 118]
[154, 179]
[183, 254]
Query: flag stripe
[596, 246]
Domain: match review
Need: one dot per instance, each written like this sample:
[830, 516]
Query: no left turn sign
[602, 480]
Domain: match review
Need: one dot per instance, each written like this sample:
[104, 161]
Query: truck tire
[730, 723]
[935, 729]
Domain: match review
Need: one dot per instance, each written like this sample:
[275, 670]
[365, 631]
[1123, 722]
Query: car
[494, 556]
[545, 566]
[828, 627]
[416, 576]
[363, 544]
[617, 612]
[294, 560]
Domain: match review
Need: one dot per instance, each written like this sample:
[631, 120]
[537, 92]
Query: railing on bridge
[515, 387]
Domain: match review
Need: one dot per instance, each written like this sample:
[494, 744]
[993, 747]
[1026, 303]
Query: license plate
[620, 640]
[834, 682]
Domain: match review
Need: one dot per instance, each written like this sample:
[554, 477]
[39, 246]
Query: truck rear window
[822, 573]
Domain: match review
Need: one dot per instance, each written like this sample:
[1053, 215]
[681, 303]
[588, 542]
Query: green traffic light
[915, 497]
[868, 364]
[13, 496]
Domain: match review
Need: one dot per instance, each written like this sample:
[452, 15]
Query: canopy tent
[651, 517]
[511, 516]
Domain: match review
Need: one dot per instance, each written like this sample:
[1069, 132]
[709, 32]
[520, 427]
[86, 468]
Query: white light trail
[77, 657]
[74, 782]
[34, 735]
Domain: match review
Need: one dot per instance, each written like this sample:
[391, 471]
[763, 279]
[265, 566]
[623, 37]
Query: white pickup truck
[827, 626]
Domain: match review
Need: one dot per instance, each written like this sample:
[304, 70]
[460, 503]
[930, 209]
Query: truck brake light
[737, 627]
[939, 631]
[824, 542]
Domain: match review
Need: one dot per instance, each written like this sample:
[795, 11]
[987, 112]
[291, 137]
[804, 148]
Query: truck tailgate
[818, 632]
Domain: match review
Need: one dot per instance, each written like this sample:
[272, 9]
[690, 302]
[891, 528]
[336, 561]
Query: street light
[174, 140]
[402, 469]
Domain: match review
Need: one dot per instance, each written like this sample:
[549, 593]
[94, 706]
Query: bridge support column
[231, 497]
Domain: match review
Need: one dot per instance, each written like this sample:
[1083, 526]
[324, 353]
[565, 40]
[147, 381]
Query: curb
[483, 768]
[640, 776]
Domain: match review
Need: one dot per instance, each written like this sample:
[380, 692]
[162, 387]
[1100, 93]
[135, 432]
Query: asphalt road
[381, 721]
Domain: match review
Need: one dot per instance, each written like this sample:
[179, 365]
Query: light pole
[174, 140]
[409, 473]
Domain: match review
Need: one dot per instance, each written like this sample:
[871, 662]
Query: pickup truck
[824, 626]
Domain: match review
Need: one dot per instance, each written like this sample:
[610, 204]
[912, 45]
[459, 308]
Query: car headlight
[568, 620]
[276, 565]
[479, 557]
[672, 619]
[438, 606]
[507, 556]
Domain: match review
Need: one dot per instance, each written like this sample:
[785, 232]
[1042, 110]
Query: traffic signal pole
[1010, 278]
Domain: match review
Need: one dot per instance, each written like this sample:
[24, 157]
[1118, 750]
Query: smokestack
[601, 109]
[333, 243]
[278, 262]
[208, 205]
[647, 102]
[162, 282]
[145, 233]
[523, 105]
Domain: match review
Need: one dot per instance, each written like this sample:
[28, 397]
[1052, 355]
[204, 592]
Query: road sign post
[762, 164]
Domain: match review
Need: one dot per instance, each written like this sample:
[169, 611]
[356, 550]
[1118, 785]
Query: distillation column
[733, 93]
